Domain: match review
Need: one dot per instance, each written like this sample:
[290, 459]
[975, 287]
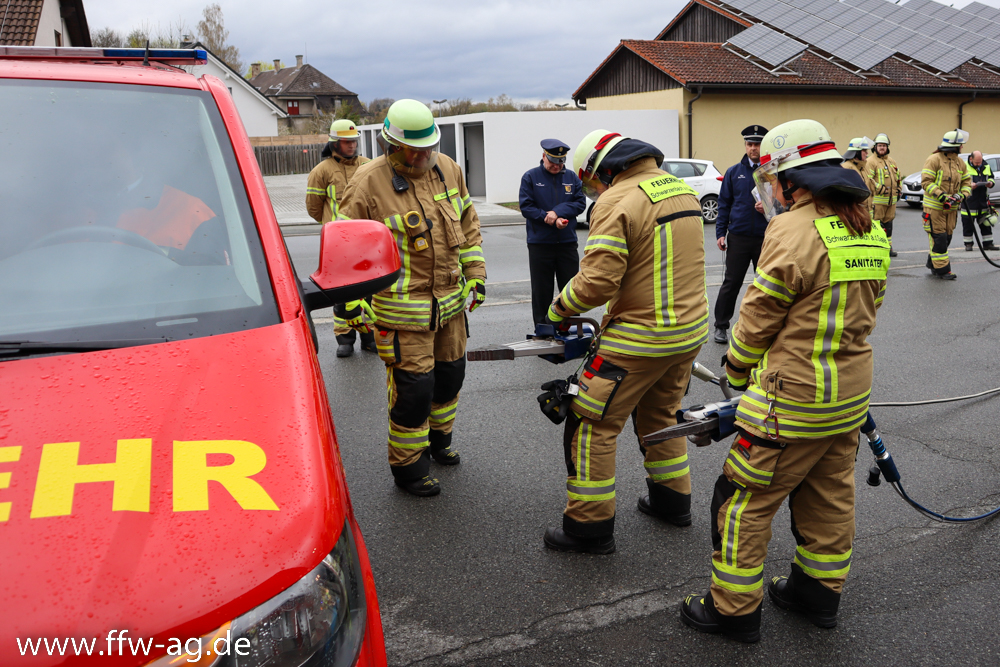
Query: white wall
[259, 117]
[512, 139]
[50, 21]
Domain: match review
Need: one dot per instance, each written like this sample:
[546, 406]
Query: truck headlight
[320, 620]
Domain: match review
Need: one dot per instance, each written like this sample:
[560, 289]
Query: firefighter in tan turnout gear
[645, 258]
[946, 182]
[325, 190]
[420, 324]
[856, 158]
[800, 354]
[886, 184]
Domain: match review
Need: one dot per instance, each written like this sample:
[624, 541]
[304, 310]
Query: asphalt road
[463, 578]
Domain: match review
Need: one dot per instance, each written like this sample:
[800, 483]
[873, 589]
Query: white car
[913, 192]
[700, 175]
[704, 178]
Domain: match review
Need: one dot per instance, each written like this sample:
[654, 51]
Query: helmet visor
[345, 147]
[413, 162]
[589, 189]
[766, 178]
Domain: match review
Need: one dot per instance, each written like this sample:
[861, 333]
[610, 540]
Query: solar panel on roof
[914, 21]
[770, 13]
[979, 9]
[877, 30]
[832, 11]
[770, 46]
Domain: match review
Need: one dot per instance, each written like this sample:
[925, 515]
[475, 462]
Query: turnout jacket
[327, 182]
[884, 180]
[859, 166]
[542, 192]
[645, 253]
[803, 326]
[428, 291]
[736, 203]
[979, 198]
[944, 174]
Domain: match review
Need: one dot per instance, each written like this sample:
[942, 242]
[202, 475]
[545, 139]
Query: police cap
[555, 150]
[754, 133]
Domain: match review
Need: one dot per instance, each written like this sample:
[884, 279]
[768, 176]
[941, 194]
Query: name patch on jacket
[854, 256]
[664, 187]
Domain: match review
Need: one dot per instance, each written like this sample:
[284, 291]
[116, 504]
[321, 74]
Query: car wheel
[710, 208]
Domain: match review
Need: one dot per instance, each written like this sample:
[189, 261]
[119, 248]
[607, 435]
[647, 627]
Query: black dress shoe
[425, 486]
[560, 540]
[720, 336]
[345, 350]
[698, 612]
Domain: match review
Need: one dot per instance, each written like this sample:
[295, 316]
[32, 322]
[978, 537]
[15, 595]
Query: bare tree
[213, 34]
[106, 38]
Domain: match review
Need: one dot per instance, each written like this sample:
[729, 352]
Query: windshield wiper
[12, 348]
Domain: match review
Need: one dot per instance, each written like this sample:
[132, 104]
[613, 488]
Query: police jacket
[883, 177]
[804, 324]
[980, 196]
[327, 182]
[736, 203]
[438, 256]
[542, 192]
[645, 254]
[944, 174]
[858, 165]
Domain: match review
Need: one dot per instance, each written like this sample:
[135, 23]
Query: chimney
[298, 61]
[277, 64]
[254, 69]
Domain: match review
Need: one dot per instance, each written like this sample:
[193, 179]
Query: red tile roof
[703, 63]
[19, 19]
[297, 81]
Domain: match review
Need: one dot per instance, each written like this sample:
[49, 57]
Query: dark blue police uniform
[552, 252]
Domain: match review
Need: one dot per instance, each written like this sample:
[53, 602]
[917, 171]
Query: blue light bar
[176, 56]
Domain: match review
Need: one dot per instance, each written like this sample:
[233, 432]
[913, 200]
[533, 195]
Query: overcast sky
[431, 49]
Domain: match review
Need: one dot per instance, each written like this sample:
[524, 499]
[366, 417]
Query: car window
[994, 164]
[124, 216]
[683, 169]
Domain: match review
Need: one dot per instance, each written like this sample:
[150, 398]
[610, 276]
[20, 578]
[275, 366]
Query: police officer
[325, 190]
[800, 354]
[884, 179]
[855, 159]
[421, 328]
[946, 182]
[645, 258]
[976, 207]
[550, 199]
[741, 217]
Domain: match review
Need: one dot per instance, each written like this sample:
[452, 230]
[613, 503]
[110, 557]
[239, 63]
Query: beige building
[718, 88]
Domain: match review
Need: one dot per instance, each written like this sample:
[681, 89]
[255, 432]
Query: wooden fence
[281, 160]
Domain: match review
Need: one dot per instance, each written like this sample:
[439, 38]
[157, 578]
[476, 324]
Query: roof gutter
[580, 106]
[971, 99]
[689, 115]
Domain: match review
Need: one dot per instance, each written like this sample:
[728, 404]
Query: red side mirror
[357, 258]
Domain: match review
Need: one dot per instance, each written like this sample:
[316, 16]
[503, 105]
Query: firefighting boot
[345, 345]
[441, 449]
[989, 245]
[584, 538]
[807, 596]
[414, 478]
[368, 342]
[666, 504]
[946, 276]
[968, 247]
[892, 252]
[699, 612]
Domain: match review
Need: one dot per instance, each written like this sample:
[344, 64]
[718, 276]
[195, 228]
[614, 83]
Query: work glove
[556, 400]
[555, 319]
[477, 288]
[355, 312]
[738, 385]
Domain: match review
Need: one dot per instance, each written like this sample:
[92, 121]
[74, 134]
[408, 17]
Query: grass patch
[512, 205]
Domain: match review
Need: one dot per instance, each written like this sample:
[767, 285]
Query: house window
[293, 107]
[58, 38]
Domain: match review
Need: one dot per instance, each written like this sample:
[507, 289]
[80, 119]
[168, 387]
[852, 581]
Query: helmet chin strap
[787, 187]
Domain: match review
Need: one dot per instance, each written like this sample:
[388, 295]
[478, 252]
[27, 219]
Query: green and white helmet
[411, 123]
[882, 138]
[796, 143]
[588, 156]
[953, 140]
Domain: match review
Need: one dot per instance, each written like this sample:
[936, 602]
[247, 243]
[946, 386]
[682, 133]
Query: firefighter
[421, 327]
[645, 258]
[799, 352]
[976, 208]
[855, 159]
[886, 183]
[946, 182]
[325, 190]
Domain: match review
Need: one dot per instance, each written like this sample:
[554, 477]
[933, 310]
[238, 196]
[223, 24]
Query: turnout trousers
[885, 215]
[650, 389]
[740, 252]
[817, 477]
[974, 217]
[939, 226]
[424, 372]
[548, 261]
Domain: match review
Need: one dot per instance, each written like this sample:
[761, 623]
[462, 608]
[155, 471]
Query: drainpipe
[972, 99]
[691, 104]
[580, 106]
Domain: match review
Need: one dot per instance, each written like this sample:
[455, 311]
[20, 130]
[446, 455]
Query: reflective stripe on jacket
[884, 179]
[803, 337]
[980, 196]
[944, 174]
[327, 182]
[648, 259]
[428, 291]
